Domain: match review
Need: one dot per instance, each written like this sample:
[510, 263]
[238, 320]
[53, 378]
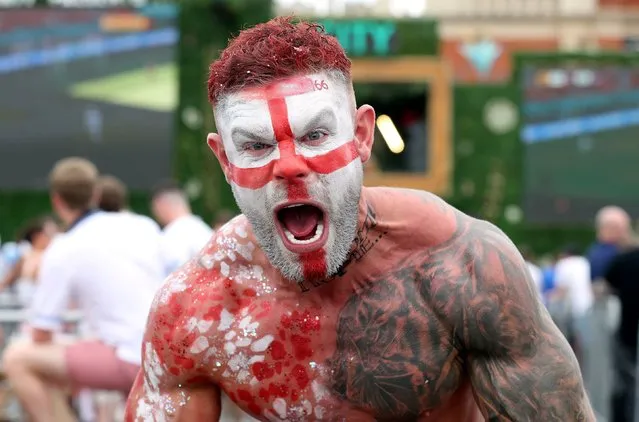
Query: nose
[291, 168]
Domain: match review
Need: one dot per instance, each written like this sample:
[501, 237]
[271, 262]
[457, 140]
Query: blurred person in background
[613, 235]
[114, 195]
[622, 277]
[184, 234]
[102, 262]
[24, 274]
[93, 123]
[574, 290]
[614, 232]
[535, 271]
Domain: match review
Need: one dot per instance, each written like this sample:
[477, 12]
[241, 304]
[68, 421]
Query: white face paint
[293, 142]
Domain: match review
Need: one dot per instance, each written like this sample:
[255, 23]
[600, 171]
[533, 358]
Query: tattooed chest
[394, 358]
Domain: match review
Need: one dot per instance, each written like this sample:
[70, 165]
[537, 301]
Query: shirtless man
[326, 301]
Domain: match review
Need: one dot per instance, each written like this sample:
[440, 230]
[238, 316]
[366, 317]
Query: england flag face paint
[290, 154]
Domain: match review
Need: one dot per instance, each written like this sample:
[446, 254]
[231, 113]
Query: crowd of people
[104, 262]
[592, 297]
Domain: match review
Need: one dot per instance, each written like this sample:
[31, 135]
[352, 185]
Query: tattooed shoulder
[520, 365]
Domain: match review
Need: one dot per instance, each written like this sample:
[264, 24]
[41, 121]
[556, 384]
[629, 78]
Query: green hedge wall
[205, 32]
[488, 175]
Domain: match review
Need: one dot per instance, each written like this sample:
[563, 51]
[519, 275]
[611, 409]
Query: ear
[217, 146]
[364, 131]
[55, 200]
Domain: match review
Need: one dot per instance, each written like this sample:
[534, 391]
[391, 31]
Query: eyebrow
[260, 134]
[325, 116]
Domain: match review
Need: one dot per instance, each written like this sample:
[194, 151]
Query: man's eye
[256, 146]
[315, 135]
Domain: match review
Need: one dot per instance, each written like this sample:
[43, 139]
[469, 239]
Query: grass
[146, 88]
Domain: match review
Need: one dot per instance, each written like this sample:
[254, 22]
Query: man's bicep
[545, 386]
[521, 366]
[177, 403]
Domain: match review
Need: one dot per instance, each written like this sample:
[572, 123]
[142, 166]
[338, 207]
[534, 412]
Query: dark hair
[33, 228]
[571, 249]
[114, 195]
[164, 187]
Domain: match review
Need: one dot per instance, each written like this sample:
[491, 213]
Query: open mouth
[302, 226]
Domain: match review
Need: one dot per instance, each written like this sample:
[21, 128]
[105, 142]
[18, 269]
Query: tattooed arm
[520, 365]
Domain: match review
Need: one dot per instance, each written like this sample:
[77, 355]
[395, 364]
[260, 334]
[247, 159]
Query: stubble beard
[343, 213]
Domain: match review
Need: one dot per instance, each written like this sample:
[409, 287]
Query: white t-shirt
[537, 276]
[573, 274]
[110, 264]
[183, 239]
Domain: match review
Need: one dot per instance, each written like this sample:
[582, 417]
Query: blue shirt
[549, 279]
[600, 255]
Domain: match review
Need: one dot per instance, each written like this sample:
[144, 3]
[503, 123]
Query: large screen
[581, 136]
[97, 83]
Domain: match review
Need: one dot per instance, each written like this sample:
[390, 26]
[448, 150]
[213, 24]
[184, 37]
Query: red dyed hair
[277, 49]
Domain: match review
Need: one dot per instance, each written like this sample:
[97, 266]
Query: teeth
[318, 233]
[295, 206]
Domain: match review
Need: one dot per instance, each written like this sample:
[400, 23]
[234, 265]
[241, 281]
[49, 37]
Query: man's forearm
[41, 336]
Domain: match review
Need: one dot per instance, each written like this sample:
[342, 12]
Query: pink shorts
[94, 365]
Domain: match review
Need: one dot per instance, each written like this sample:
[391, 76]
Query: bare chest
[382, 355]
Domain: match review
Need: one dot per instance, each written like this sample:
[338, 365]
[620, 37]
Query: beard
[339, 193]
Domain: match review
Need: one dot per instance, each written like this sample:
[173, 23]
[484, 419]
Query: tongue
[300, 221]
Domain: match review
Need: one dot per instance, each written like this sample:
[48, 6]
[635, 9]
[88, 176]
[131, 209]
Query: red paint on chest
[278, 390]
[303, 322]
[300, 375]
[277, 350]
[213, 313]
[301, 347]
[174, 306]
[262, 371]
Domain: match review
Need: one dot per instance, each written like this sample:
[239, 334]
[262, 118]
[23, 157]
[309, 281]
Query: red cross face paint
[295, 171]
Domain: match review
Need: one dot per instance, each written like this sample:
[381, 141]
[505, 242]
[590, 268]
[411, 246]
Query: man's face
[292, 152]
[159, 209]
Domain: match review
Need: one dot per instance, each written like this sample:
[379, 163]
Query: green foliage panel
[488, 180]
[18, 207]
[205, 31]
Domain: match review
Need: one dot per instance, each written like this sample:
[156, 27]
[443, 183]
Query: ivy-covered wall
[205, 31]
[488, 175]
